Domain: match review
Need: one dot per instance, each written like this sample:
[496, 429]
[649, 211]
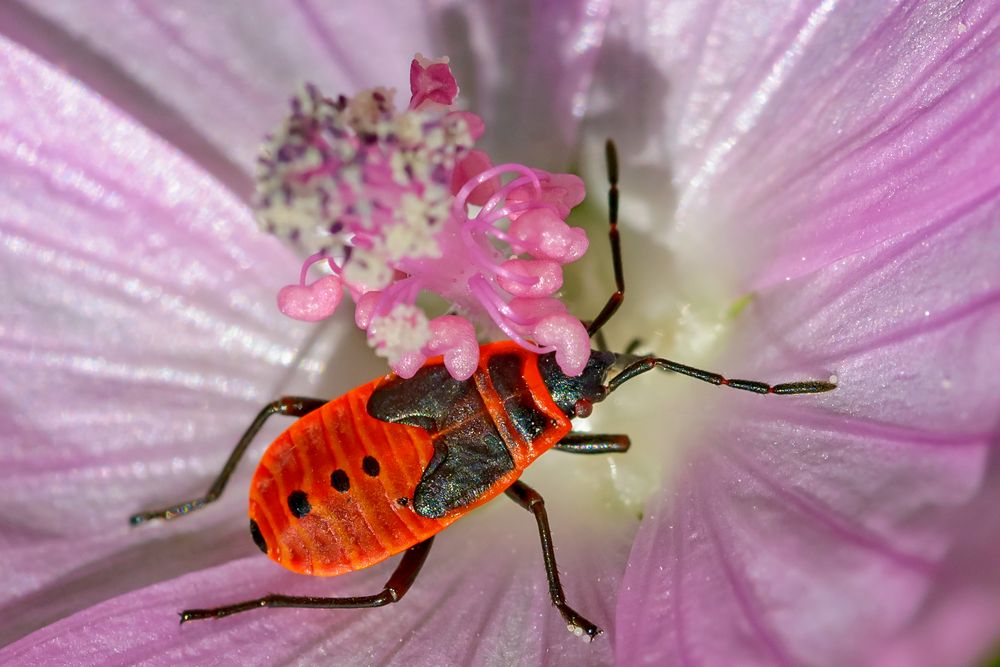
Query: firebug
[385, 467]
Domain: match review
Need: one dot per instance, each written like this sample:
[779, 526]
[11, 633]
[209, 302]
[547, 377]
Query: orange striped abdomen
[326, 495]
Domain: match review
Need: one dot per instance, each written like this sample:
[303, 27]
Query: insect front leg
[402, 578]
[593, 443]
[618, 296]
[292, 406]
[531, 500]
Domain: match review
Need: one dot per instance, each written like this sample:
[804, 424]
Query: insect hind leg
[292, 406]
[531, 500]
[399, 583]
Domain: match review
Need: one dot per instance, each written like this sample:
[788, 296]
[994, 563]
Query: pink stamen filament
[462, 196]
[498, 234]
[482, 291]
[312, 259]
[362, 240]
[478, 225]
[507, 312]
[485, 262]
[503, 192]
[506, 211]
[401, 291]
[327, 168]
[383, 183]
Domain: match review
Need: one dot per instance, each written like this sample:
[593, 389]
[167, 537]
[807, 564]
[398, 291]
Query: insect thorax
[567, 391]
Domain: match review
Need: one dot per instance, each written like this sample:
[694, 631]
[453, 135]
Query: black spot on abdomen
[370, 466]
[258, 539]
[298, 503]
[340, 481]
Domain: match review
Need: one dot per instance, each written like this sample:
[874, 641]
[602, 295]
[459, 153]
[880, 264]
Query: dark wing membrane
[507, 375]
[419, 401]
[469, 454]
[466, 463]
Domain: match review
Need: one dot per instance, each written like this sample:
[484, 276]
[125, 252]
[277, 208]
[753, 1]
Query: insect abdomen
[326, 498]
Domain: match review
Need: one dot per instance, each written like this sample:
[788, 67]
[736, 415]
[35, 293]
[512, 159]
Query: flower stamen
[399, 202]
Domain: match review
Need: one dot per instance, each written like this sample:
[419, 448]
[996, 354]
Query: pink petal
[223, 70]
[139, 336]
[796, 136]
[800, 132]
[226, 71]
[80, 544]
[959, 621]
[532, 76]
[806, 520]
[483, 587]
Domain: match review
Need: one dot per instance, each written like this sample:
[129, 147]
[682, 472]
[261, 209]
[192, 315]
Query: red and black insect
[382, 469]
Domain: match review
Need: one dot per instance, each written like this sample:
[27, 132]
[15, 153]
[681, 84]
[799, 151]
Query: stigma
[391, 204]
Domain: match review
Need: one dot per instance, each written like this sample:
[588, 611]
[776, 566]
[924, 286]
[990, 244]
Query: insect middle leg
[531, 500]
[292, 406]
[593, 443]
[402, 578]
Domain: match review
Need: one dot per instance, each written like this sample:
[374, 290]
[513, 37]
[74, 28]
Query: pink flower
[806, 189]
[385, 200]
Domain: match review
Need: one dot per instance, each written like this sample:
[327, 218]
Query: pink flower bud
[543, 234]
[407, 365]
[455, 337]
[365, 308]
[563, 191]
[313, 302]
[431, 82]
[542, 277]
[569, 338]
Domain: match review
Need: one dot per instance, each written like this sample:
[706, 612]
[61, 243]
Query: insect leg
[400, 581]
[633, 346]
[649, 363]
[292, 406]
[593, 443]
[531, 500]
[600, 341]
[611, 156]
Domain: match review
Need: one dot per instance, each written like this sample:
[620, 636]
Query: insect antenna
[637, 366]
[611, 159]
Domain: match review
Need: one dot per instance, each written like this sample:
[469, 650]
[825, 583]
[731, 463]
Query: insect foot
[588, 633]
[578, 625]
[194, 615]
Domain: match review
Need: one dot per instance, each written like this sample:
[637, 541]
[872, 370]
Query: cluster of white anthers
[395, 203]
